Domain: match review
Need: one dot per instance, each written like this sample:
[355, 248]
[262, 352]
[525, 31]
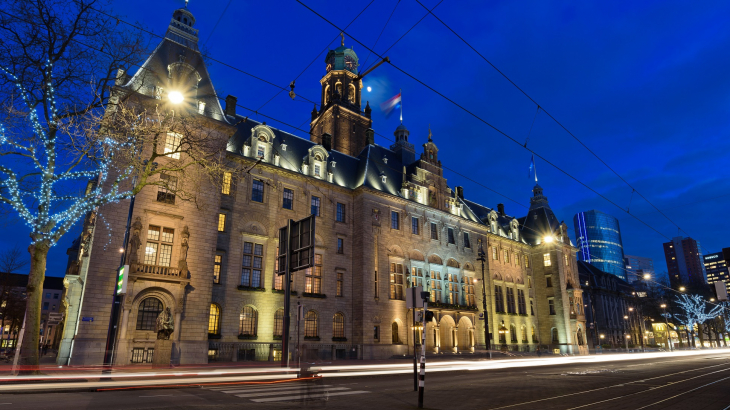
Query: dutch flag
[391, 105]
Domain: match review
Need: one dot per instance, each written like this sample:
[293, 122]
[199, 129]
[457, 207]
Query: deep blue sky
[643, 84]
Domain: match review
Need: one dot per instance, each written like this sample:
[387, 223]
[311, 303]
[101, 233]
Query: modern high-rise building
[716, 267]
[637, 266]
[598, 238]
[685, 263]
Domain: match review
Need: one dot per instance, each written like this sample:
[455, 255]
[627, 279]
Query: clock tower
[340, 114]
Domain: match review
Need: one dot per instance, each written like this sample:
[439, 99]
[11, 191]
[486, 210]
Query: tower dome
[342, 58]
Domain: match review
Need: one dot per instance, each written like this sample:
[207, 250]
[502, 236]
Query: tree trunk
[29, 355]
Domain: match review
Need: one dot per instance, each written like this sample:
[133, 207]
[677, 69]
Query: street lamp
[175, 97]
[682, 288]
[647, 276]
[482, 258]
[626, 318]
[666, 323]
[549, 238]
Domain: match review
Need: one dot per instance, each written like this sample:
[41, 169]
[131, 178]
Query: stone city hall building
[386, 220]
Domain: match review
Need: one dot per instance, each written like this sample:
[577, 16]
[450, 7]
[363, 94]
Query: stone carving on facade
[183, 263]
[165, 325]
[134, 242]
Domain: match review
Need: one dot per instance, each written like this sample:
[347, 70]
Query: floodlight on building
[548, 238]
[175, 97]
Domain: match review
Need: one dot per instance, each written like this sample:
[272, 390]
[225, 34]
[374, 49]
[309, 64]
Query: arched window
[326, 94]
[394, 330]
[338, 88]
[351, 94]
[248, 322]
[534, 335]
[311, 324]
[523, 330]
[513, 333]
[338, 326]
[278, 323]
[214, 320]
[147, 313]
[579, 336]
[554, 335]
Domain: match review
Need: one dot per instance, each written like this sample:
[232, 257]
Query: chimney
[369, 136]
[231, 105]
[500, 209]
[122, 77]
[460, 192]
[327, 141]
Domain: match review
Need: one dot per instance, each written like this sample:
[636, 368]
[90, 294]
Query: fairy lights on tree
[694, 312]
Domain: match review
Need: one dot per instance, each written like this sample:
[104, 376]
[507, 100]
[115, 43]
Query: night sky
[645, 85]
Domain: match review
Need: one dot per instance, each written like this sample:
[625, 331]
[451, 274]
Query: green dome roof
[342, 58]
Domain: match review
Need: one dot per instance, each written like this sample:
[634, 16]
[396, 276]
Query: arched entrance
[465, 334]
[448, 334]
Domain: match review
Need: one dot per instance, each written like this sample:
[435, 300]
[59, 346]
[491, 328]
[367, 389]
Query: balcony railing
[144, 269]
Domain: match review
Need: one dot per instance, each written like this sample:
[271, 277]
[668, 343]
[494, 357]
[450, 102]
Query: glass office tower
[599, 243]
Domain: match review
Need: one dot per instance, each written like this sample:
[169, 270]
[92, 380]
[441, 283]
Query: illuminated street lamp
[682, 288]
[647, 276]
[548, 239]
[175, 97]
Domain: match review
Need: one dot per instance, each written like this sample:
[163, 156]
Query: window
[451, 238]
[554, 335]
[506, 256]
[394, 220]
[158, 250]
[470, 298]
[513, 334]
[436, 286]
[434, 231]
[551, 306]
[376, 333]
[414, 225]
[340, 283]
[311, 324]
[214, 320]
[315, 205]
[217, 263]
[498, 299]
[416, 276]
[278, 323]
[527, 262]
[524, 334]
[313, 276]
[221, 222]
[260, 152]
[288, 199]
[340, 212]
[253, 260]
[45, 305]
[278, 279]
[529, 282]
[467, 243]
[454, 289]
[226, 188]
[338, 326]
[534, 335]
[396, 281]
[521, 305]
[142, 355]
[248, 322]
[532, 308]
[510, 300]
[340, 245]
[503, 334]
[395, 338]
[257, 190]
[147, 313]
[549, 281]
[565, 256]
[48, 295]
[55, 295]
[494, 253]
[172, 144]
[546, 259]
[166, 191]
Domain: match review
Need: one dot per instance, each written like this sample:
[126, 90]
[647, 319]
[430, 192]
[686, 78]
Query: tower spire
[429, 133]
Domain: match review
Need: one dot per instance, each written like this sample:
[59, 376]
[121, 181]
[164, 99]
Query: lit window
[226, 189]
[506, 256]
[217, 269]
[257, 190]
[495, 256]
[311, 324]
[158, 250]
[546, 259]
[288, 199]
[527, 262]
[214, 320]
[278, 323]
[248, 322]
[338, 326]
[396, 281]
[313, 276]
[221, 222]
[172, 144]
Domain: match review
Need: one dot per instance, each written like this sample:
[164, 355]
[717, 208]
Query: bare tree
[72, 140]
[12, 260]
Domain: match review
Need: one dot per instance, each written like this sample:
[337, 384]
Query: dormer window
[201, 107]
[317, 170]
[261, 152]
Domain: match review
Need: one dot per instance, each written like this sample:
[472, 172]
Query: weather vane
[186, 3]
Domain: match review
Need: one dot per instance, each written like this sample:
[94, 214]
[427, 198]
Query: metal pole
[415, 357]
[484, 301]
[422, 378]
[666, 324]
[287, 302]
[111, 337]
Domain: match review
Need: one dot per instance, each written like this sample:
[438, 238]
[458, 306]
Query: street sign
[413, 298]
[122, 279]
[300, 244]
[87, 319]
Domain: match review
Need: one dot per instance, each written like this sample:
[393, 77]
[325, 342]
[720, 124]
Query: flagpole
[400, 92]
[535, 165]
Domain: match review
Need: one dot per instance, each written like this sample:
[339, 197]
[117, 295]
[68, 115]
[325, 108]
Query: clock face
[350, 63]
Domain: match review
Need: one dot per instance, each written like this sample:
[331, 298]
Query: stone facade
[386, 221]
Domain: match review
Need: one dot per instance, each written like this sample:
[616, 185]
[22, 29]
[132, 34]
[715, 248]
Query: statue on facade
[165, 325]
[183, 262]
[134, 242]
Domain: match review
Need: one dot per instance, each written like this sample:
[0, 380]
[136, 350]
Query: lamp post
[482, 258]
[626, 335]
[666, 324]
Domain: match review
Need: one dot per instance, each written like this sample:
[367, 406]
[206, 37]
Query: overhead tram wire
[381, 31]
[315, 58]
[566, 173]
[207, 56]
[552, 117]
[217, 22]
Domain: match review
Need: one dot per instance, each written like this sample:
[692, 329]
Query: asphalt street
[695, 383]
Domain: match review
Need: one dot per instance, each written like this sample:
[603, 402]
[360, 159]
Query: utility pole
[482, 258]
[666, 326]
[422, 376]
[287, 302]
